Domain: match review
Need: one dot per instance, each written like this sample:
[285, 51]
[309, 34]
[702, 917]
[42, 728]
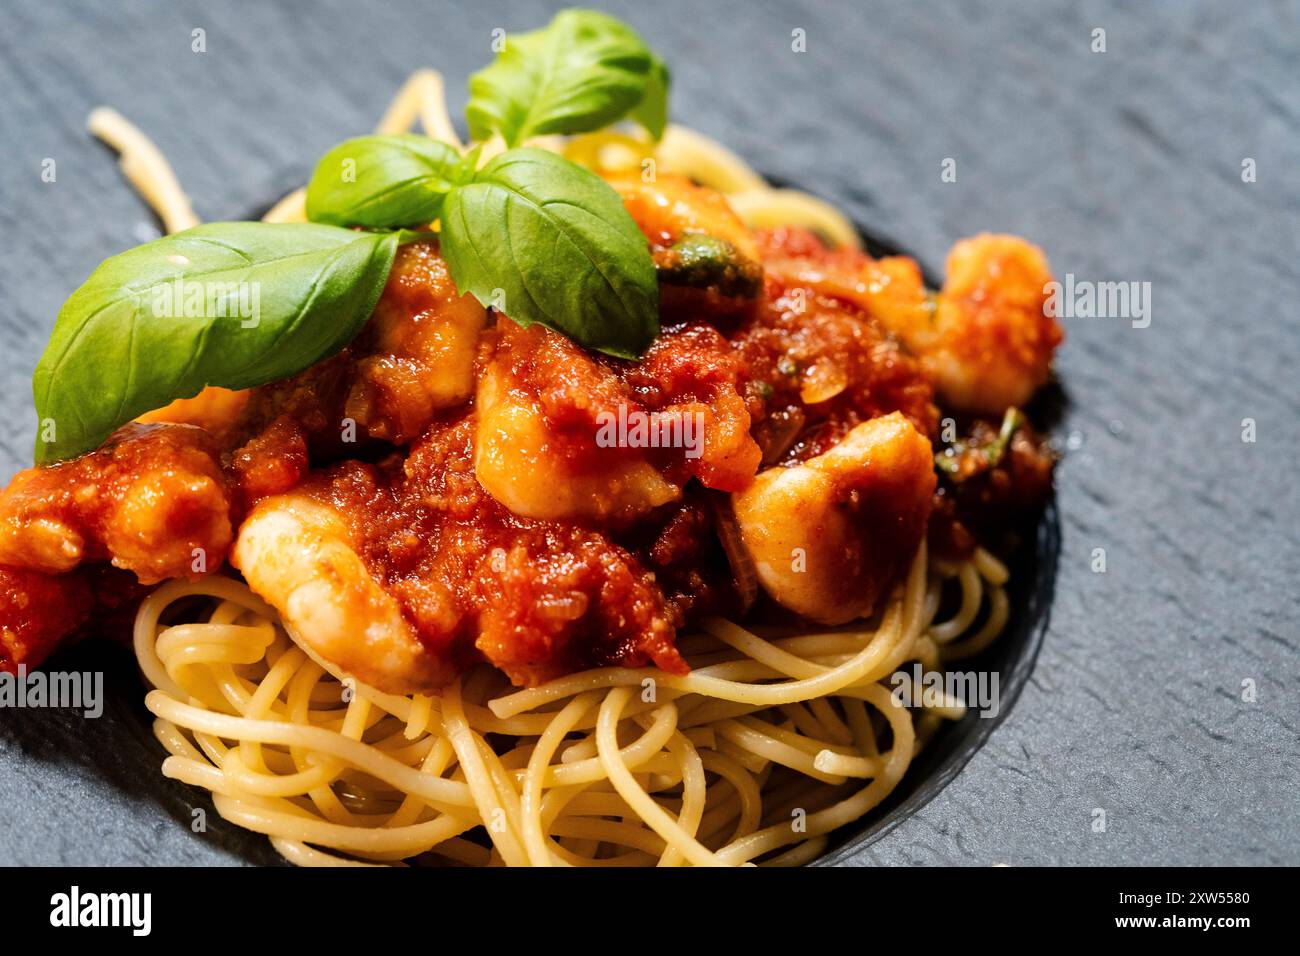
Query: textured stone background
[1123, 165]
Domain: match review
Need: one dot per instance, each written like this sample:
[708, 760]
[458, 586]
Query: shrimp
[298, 555]
[539, 402]
[152, 499]
[831, 535]
[985, 341]
[520, 461]
[988, 344]
[418, 349]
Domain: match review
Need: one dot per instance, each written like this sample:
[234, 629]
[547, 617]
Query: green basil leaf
[544, 240]
[652, 111]
[236, 304]
[382, 181]
[581, 72]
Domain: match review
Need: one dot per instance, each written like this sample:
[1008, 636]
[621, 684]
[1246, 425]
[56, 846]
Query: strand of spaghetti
[145, 631]
[751, 645]
[694, 790]
[418, 718]
[805, 852]
[262, 704]
[843, 765]
[276, 785]
[768, 208]
[173, 741]
[144, 167]
[748, 793]
[619, 775]
[832, 726]
[482, 787]
[824, 821]
[990, 568]
[864, 734]
[504, 783]
[637, 754]
[435, 763]
[609, 831]
[664, 721]
[409, 840]
[434, 116]
[701, 682]
[462, 851]
[299, 699]
[300, 854]
[971, 592]
[531, 797]
[705, 160]
[291, 208]
[999, 610]
[423, 96]
[914, 590]
[790, 737]
[198, 773]
[802, 718]
[769, 748]
[446, 795]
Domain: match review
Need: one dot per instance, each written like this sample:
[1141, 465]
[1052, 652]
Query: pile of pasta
[769, 745]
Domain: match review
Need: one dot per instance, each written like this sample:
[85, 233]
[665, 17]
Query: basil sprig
[581, 72]
[232, 303]
[531, 234]
[240, 304]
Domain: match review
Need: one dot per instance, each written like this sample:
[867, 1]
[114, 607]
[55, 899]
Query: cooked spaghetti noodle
[769, 745]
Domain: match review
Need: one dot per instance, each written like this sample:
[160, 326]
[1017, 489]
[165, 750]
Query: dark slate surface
[1124, 165]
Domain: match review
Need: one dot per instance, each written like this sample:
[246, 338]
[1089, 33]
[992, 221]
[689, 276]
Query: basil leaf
[234, 304]
[652, 111]
[544, 240]
[383, 181]
[581, 72]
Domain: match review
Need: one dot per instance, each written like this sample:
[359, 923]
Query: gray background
[1124, 165]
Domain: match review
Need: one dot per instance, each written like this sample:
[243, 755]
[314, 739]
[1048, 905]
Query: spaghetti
[769, 745]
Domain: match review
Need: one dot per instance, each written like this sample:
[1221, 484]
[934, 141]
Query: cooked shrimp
[296, 553]
[830, 536]
[520, 460]
[989, 343]
[152, 500]
[417, 352]
[984, 341]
